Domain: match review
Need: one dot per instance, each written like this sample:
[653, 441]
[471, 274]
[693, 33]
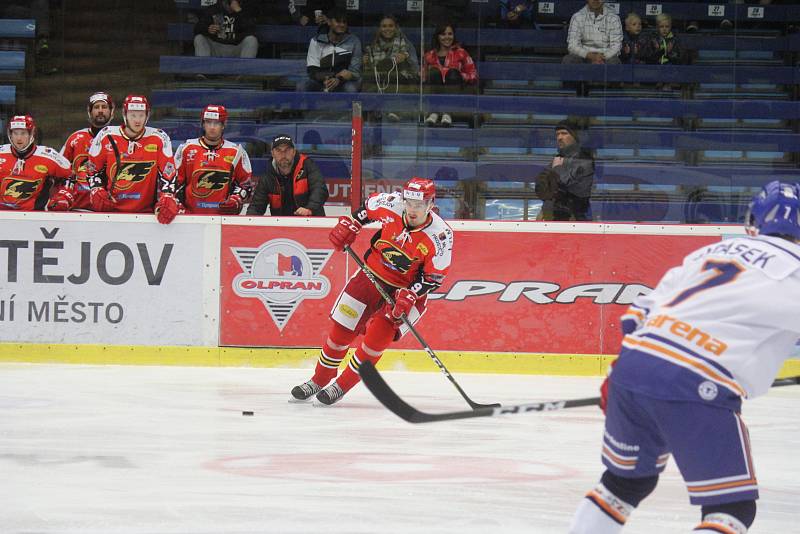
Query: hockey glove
[404, 300]
[101, 200]
[167, 208]
[604, 388]
[344, 233]
[231, 205]
[61, 200]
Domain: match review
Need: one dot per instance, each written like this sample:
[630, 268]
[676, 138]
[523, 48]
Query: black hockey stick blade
[378, 386]
[788, 381]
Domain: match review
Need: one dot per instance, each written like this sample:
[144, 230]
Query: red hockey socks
[380, 333]
[332, 353]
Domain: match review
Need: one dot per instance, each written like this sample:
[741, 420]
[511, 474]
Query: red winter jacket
[457, 58]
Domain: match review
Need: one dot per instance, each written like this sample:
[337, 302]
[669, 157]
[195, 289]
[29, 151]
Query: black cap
[282, 139]
[569, 127]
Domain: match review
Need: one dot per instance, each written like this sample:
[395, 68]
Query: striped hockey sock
[333, 352]
[601, 512]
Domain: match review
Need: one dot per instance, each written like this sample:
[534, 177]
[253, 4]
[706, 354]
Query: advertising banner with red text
[512, 291]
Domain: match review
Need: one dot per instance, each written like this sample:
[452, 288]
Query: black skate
[305, 391]
[330, 394]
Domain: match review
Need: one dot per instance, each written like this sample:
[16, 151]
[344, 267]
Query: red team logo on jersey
[132, 172]
[209, 181]
[281, 273]
[16, 190]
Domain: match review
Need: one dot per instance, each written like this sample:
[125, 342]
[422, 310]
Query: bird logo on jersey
[393, 257]
[132, 172]
[210, 180]
[17, 190]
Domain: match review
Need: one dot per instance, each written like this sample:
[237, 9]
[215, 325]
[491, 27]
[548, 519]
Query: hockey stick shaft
[474, 405]
[378, 386]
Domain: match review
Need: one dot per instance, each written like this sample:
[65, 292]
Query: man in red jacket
[293, 185]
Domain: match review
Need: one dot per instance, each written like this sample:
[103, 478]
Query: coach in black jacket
[293, 184]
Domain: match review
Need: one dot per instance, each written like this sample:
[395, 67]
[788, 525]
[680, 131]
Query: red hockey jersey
[137, 172]
[210, 174]
[24, 180]
[416, 258]
[76, 150]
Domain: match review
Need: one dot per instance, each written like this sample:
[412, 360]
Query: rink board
[520, 297]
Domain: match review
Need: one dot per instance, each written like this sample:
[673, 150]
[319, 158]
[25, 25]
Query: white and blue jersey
[718, 327]
[715, 330]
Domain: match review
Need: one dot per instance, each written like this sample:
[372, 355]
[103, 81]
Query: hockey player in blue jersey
[715, 330]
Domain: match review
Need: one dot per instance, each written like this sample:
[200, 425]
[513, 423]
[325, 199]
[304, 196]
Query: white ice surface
[110, 449]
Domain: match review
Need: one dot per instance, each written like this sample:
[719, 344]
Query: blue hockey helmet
[775, 210]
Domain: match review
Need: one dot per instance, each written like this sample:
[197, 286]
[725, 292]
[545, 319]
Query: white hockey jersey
[729, 314]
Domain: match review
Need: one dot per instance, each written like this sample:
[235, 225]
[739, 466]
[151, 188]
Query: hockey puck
[247, 413]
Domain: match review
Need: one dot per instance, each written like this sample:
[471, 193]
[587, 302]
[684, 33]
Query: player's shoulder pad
[441, 234]
[166, 142]
[391, 201]
[54, 155]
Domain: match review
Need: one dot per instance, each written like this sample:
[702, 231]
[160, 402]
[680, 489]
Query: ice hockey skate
[304, 391]
[330, 395]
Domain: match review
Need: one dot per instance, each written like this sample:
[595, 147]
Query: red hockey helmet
[135, 103]
[100, 96]
[419, 189]
[22, 122]
[214, 112]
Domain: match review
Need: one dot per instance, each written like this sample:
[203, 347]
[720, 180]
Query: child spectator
[635, 44]
[664, 44]
[226, 29]
[447, 68]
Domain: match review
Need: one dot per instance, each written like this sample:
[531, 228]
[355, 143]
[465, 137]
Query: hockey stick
[474, 405]
[378, 386]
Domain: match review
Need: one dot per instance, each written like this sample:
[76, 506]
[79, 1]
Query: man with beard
[100, 110]
[293, 185]
[566, 184]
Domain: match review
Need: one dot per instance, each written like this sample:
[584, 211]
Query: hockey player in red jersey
[215, 173]
[410, 255]
[131, 167]
[29, 172]
[100, 110]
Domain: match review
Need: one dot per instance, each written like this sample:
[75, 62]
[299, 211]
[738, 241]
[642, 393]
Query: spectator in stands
[313, 11]
[448, 68]
[226, 29]
[390, 61]
[566, 184]
[664, 44]
[595, 35]
[293, 184]
[516, 13]
[635, 43]
[334, 58]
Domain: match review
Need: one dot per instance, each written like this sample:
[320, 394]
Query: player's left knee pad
[631, 490]
[730, 517]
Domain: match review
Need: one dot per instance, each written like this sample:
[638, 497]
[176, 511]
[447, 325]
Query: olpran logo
[281, 273]
[540, 292]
